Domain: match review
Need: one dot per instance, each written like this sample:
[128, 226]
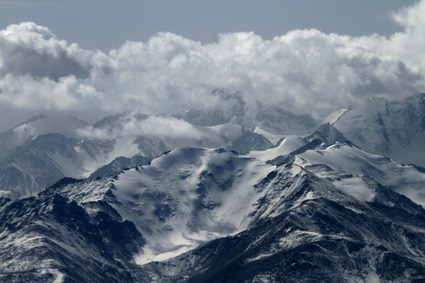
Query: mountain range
[244, 195]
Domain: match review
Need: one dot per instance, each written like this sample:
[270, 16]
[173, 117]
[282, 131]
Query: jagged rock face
[319, 240]
[51, 238]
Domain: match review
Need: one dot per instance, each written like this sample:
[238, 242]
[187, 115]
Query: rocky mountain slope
[314, 208]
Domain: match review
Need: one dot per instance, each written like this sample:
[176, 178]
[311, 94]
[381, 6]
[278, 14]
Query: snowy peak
[334, 116]
[395, 129]
[182, 199]
[277, 120]
[54, 123]
[290, 146]
[65, 146]
[231, 108]
[338, 159]
[187, 197]
[46, 148]
[273, 119]
[217, 203]
[193, 212]
[327, 134]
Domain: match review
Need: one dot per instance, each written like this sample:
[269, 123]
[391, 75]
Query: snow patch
[355, 187]
[273, 138]
[187, 197]
[286, 146]
[334, 116]
[403, 179]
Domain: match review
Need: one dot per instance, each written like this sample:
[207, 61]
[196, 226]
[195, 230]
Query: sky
[107, 24]
[311, 57]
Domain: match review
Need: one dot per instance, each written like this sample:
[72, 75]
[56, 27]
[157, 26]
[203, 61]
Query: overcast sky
[309, 56]
[106, 24]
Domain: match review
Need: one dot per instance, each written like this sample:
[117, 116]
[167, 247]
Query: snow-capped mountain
[218, 203]
[312, 208]
[272, 119]
[46, 148]
[53, 123]
[395, 129]
[346, 165]
[38, 152]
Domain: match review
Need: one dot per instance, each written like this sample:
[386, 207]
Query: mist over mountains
[228, 197]
[303, 71]
[296, 159]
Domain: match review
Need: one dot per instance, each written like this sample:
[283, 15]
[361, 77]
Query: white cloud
[29, 49]
[306, 71]
[132, 126]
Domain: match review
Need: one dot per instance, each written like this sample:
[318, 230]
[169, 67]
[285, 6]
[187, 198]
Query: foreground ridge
[214, 215]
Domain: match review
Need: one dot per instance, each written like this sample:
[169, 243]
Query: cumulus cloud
[29, 49]
[305, 71]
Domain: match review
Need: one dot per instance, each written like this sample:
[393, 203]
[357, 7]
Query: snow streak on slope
[188, 197]
[395, 129]
[211, 213]
[286, 146]
[356, 187]
[46, 148]
[404, 179]
[273, 138]
[305, 226]
[47, 124]
[334, 116]
[314, 207]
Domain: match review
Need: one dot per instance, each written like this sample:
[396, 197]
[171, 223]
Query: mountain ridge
[315, 207]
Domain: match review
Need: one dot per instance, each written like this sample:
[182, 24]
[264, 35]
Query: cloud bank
[132, 126]
[306, 71]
